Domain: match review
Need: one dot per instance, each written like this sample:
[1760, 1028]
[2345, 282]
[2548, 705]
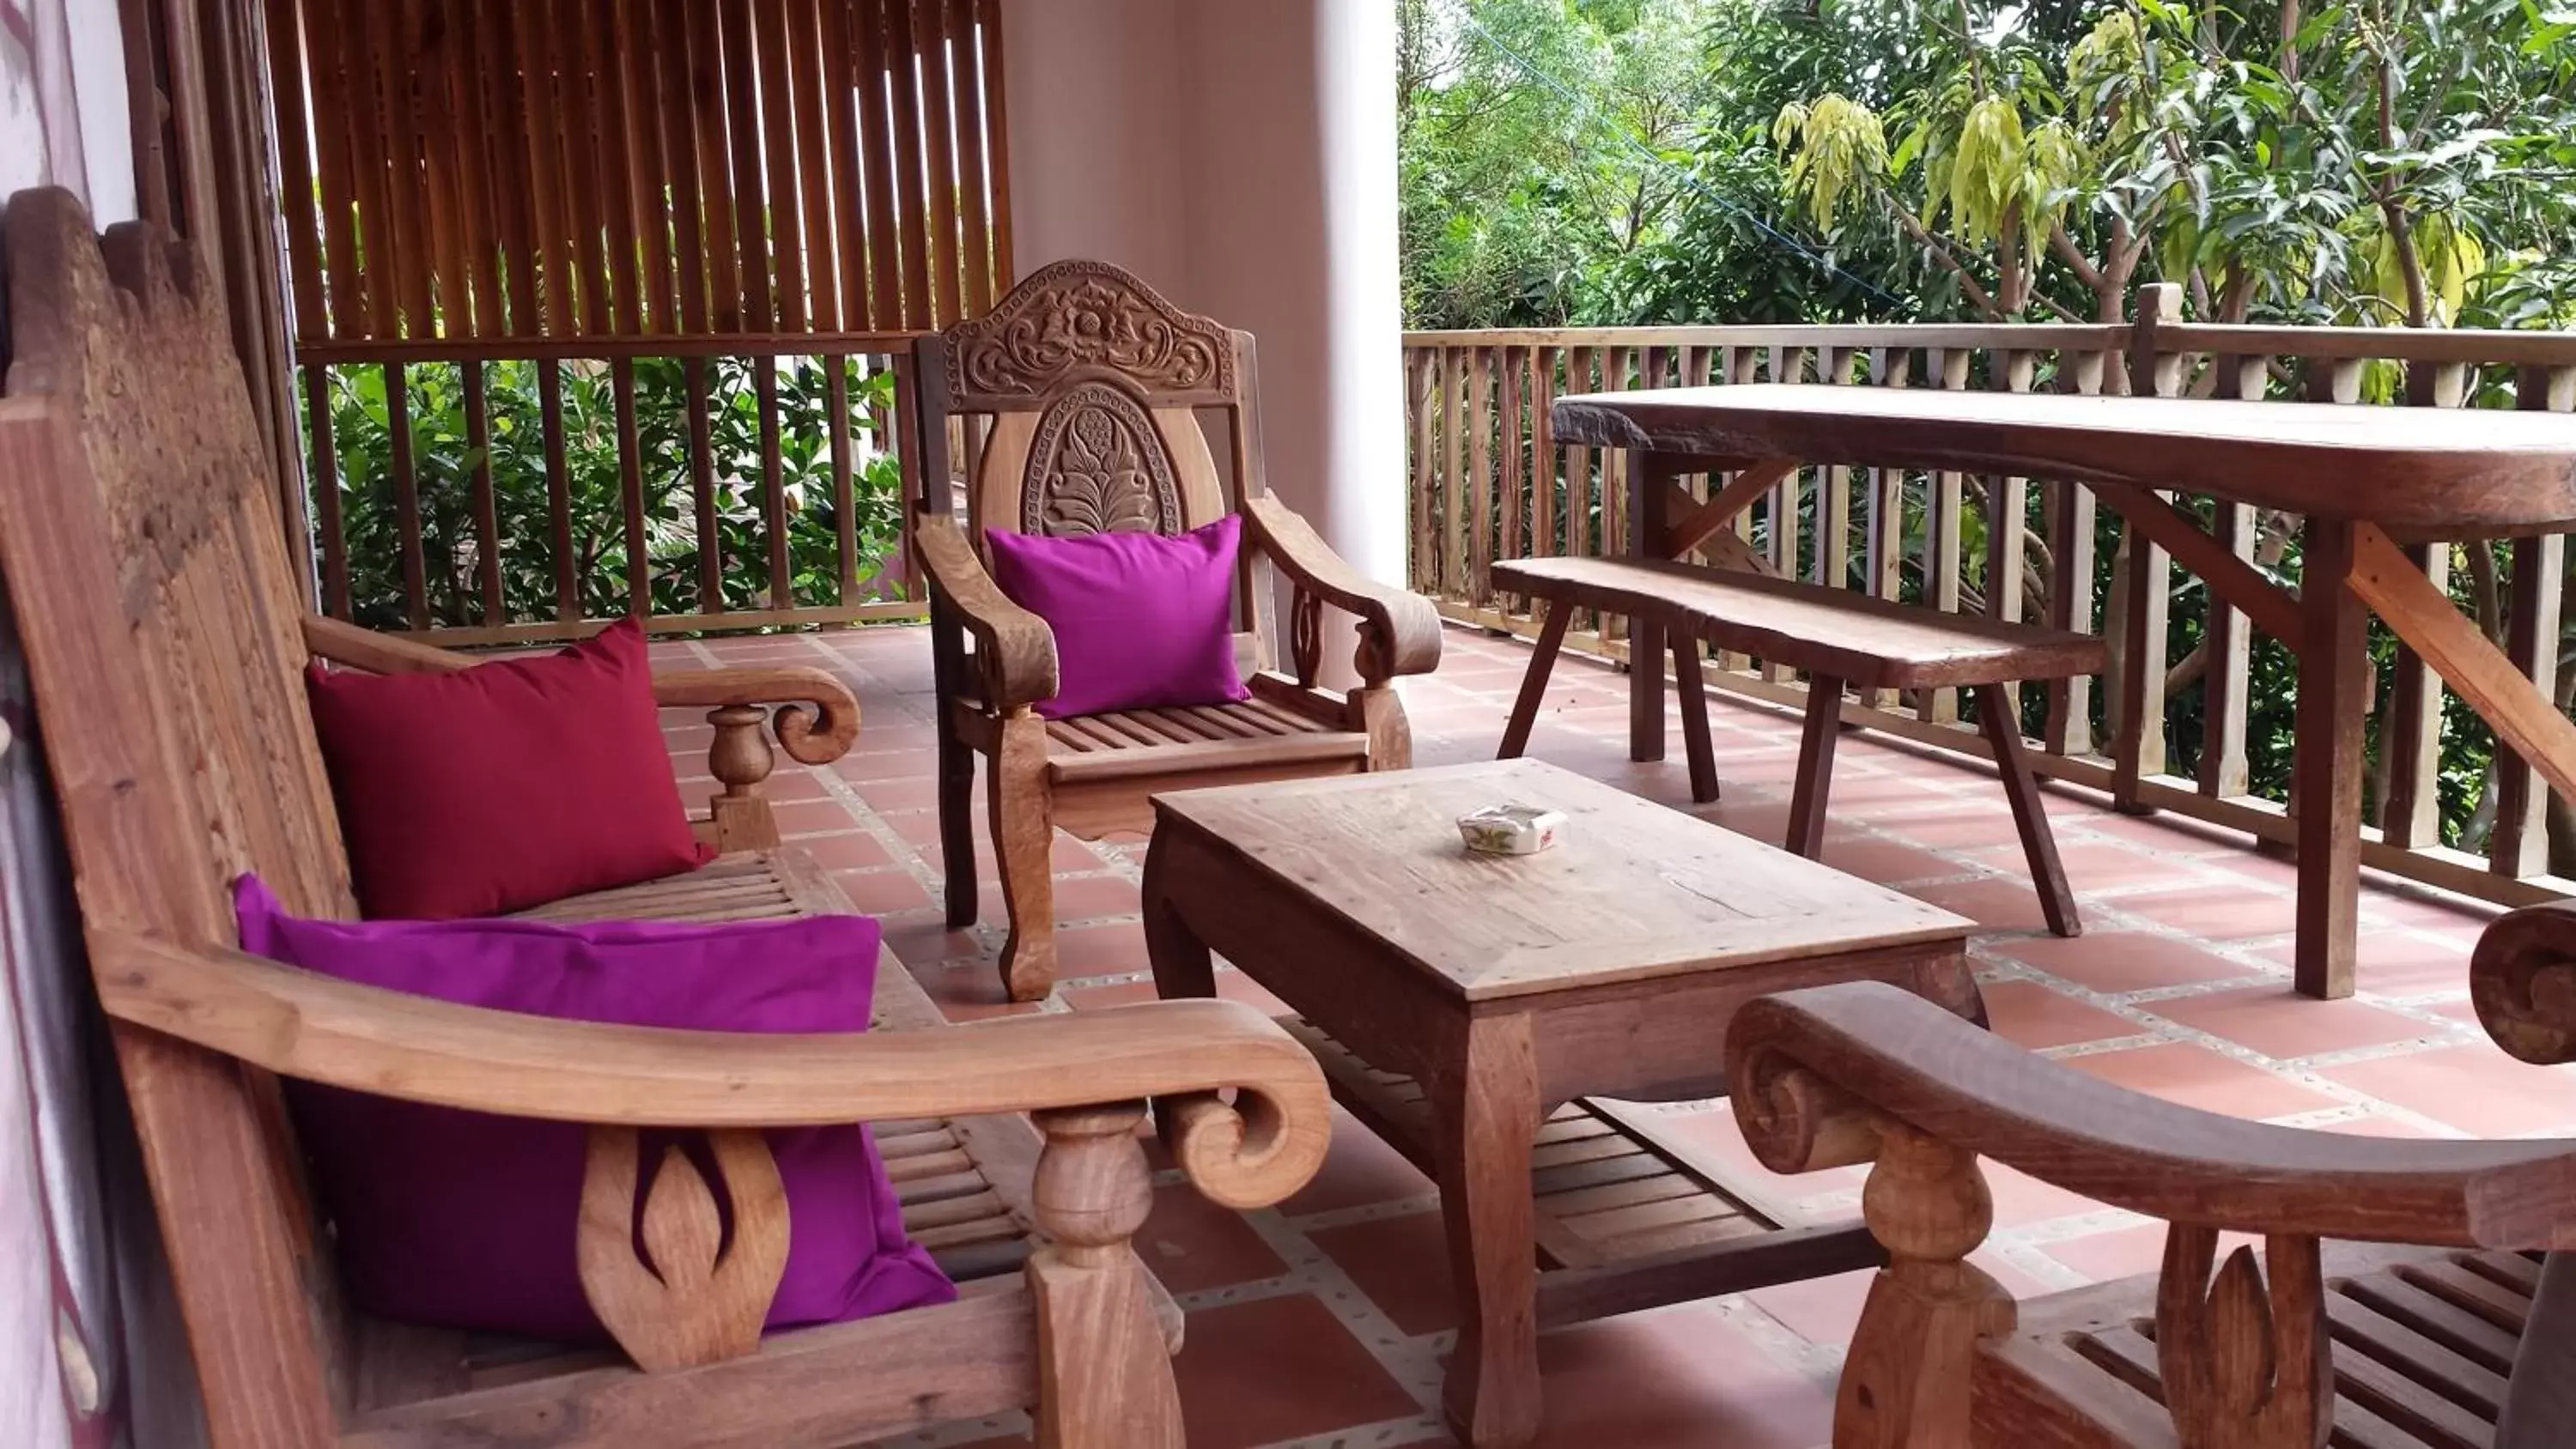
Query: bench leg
[1693, 689]
[2030, 815]
[1815, 766]
[1551, 638]
[1645, 688]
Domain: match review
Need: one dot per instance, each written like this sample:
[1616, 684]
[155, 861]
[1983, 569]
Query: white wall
[1240, 156]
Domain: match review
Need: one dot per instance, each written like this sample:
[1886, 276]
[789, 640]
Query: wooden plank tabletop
[2429, 471]
[1635, 891]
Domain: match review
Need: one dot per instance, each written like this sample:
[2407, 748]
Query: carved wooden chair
[1085, 402]
[2431, 1321]
[167, 637]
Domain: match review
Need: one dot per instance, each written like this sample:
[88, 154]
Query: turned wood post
[740, 759]
[1104, 1364]
[1906, 1382]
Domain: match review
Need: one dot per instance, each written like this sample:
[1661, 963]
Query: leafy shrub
[444, 461]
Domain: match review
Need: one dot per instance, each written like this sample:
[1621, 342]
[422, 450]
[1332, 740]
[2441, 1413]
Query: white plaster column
[1240, 156]
[1292, 234]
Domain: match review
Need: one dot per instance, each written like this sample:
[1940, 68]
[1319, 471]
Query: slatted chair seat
[2423, 1341]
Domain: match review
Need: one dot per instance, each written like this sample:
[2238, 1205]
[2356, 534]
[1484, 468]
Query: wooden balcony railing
[2177, 724]
[513, 489]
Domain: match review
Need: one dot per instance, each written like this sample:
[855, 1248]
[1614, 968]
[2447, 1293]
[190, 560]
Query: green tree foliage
[2366, 162]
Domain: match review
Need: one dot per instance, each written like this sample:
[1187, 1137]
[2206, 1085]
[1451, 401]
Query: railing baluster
[1509, 543]
[2519, 844]
[702, 487]
[487, 508]
[1614, 486]
[844, 448]
[398, 441]
[550, 416]
[2407, 802]
[773, 485]
[630, 488]
[325, 483]
[1418, 415]
[2008, 518]
[2143, 580]
[1944, 504]
[1544, 459]
[1480, 474]
[2067, 513]
[1582, 375]
[1453, 494]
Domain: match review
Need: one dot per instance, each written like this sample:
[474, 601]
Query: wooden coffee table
[1475, 1010]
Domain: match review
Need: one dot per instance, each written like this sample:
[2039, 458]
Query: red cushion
[506, 785]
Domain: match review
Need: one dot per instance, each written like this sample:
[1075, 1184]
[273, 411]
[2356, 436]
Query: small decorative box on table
[1495, 1017]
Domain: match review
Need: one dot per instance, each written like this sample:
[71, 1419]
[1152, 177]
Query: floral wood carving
[1096, 465]
[1076, 316]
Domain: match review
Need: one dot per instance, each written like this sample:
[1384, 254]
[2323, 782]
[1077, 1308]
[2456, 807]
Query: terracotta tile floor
[1326, 1321]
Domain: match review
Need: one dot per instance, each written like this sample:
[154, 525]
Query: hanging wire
[1584, 112]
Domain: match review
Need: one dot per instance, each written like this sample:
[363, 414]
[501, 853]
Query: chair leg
[1378, 712]
[1104, 1363]
[957, 822]
[1551, 638]
[1815, 766]
[1693, 689]
[1023, 840]
[2030, 815]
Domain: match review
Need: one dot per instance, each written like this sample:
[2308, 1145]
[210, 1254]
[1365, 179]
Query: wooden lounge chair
[1081, 396]
[2429, 1321]
[167, 638]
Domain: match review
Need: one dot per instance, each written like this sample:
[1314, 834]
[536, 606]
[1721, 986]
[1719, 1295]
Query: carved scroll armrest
[1399, 630]
[316, 1028]
[1820, 1077]
[817, 720]
[700, 1294]
[2522, 978]
[1013, 647]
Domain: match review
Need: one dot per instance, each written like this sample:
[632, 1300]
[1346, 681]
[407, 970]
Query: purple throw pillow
[1141, 621]
[464, 1220]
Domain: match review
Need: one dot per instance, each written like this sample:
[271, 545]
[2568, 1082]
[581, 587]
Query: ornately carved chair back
[161, 621]
[1089, 404]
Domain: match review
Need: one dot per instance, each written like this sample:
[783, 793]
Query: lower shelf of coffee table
[1629, 1213]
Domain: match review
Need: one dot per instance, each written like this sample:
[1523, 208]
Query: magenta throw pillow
[463, 1220]
[1141, 621]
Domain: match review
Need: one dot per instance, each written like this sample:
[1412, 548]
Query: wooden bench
[167, 638]
[1841, 640]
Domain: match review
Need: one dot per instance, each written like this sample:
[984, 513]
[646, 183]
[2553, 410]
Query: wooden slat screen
[467, 169]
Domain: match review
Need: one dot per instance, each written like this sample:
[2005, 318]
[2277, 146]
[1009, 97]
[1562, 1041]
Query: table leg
[2333, 674]
[1647, 473]
[1487, 1109]
[1183, 965]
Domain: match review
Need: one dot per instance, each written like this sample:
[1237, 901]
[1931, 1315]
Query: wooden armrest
[1814, 1072]
[2522, 978]
[1013, 647]
[348, 644]
[1399, 630]
[316, 1028]
[816, 735]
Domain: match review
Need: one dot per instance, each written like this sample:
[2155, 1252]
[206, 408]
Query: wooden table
[2364, 478]
[1464, 1004]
